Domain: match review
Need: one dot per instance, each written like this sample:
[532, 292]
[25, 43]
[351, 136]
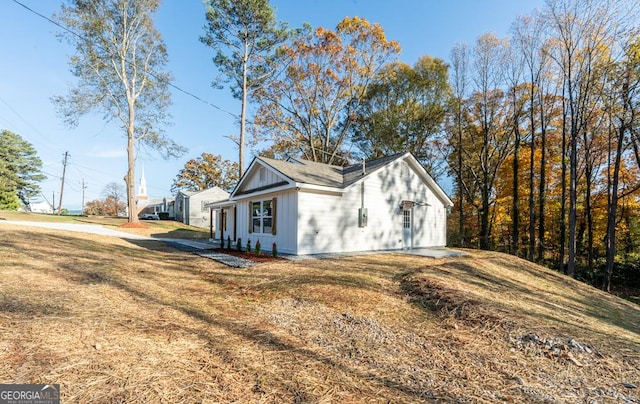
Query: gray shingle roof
[309, 172]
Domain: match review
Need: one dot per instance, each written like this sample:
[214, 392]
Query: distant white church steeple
[142, 196]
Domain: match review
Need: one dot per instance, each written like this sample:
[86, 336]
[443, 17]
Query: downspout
[364, 172]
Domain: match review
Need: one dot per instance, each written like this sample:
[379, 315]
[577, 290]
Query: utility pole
[64, 168]
[84, 186]
[53, 202]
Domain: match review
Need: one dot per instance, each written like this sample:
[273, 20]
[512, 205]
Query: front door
[407, 228]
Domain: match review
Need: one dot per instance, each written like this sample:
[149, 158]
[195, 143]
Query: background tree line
[543, 141]
[538, 130]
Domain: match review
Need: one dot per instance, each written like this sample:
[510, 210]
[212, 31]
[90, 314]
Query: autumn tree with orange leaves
[308, 109]
[206, 171]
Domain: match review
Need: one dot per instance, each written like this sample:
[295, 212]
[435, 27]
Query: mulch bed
[251, 256]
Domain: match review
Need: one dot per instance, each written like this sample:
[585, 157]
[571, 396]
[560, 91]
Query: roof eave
[320, 188]
[266, 191]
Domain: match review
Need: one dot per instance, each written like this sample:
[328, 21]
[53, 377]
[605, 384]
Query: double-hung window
[262, 217]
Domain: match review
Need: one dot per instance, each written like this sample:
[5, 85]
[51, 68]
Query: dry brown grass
[149, 228]
[118, 321]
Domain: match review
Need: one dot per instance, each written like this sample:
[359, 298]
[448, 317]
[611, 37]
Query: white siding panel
[286, 230]
[329, 223]
[197, 216]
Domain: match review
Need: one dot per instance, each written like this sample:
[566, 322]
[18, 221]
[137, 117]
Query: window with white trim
[406, 219]
[262, 216]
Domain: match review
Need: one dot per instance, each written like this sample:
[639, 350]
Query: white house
[41, 207]
[190, 207]
[310, 208]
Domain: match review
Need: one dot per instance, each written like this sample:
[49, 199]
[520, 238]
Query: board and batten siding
[286, 226]
[262, 177]
[329, 222]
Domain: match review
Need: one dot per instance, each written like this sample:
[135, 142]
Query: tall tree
[624, 108]
[20, 171]
[310, 107]
[119, 62]
[514, 63]
[459, 86]
[528, 32]
[583, 31]
[244, 34]
[403, 111]
[206, 171]
[488, 60]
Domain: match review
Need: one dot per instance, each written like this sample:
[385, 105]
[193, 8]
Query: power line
[110, 175]
[46, 141]
[188, 93]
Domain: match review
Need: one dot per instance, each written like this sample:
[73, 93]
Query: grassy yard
[137, 321]
[152, 228]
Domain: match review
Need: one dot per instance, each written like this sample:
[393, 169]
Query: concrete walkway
[205, 248]
[436, 252]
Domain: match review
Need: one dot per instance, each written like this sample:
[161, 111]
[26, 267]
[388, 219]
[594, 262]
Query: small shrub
[248, 245]
[274, 249]
[228, 242]
[239, 244]
[258, 247]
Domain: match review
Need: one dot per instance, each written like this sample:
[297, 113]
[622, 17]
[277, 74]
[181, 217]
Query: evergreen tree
[19, 171]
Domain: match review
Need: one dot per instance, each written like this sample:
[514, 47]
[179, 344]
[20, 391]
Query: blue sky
[35, 68]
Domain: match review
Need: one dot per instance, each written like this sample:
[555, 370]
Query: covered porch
[222, 221]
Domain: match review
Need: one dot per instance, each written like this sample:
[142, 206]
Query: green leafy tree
[119, 62]
[404, 110]
[206, 171]
[309, 109]
[244, 34]
[20, 171]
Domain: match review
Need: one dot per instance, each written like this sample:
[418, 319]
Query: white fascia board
[437, 190]
[262, 192]
[320, 189]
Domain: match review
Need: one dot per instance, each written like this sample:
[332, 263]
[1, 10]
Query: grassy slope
[112, 320]
[152, 228]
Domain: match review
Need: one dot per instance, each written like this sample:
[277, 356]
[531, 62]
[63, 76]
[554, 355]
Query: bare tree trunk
[460, 186]
[515, 241]
[459, 72]
[563, 186]
[243, 114]
[542, 185]
[532, 213]
[625, 125]
[484, 216]
[613, 210]
[131, 173]
[588, 206]
[573, 196]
